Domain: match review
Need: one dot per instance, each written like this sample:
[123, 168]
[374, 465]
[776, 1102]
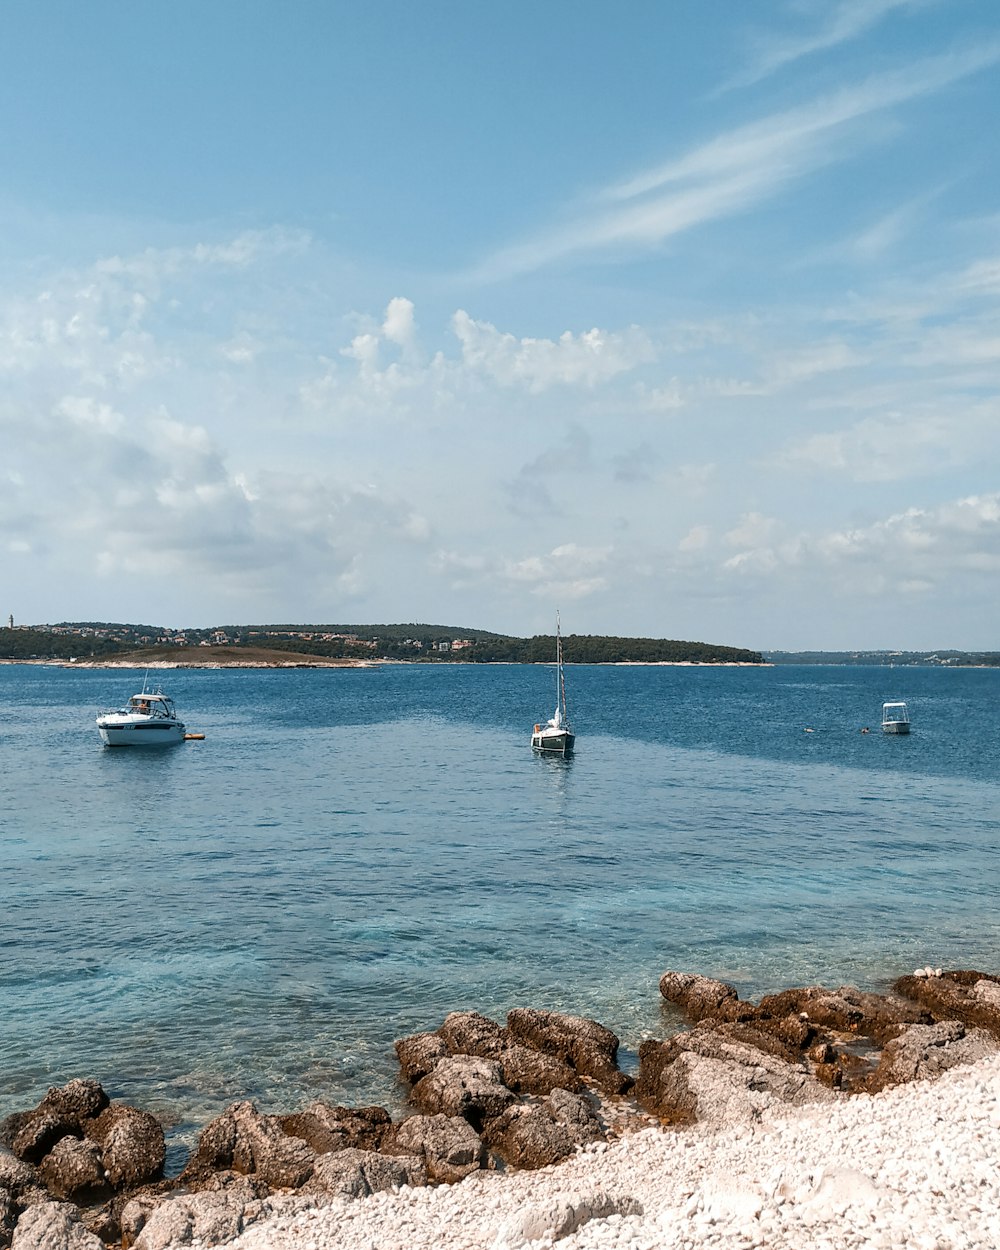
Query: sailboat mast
[560, 676]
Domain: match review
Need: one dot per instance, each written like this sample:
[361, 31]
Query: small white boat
[895, 718]
[556, 736]
[149, 719]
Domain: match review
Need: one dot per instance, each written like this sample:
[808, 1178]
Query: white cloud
[585, 359]
[843, 21]
[739, 169]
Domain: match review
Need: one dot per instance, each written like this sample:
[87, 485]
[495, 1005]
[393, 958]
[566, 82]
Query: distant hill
[414, 642]
[951, 659]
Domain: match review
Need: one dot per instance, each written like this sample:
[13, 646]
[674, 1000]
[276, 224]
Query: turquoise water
[351, 854]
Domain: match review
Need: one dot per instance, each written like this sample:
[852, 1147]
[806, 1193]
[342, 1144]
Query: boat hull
[896, 727]
[555, 743]
[140, 733]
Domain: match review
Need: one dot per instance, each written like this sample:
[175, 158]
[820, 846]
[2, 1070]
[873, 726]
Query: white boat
[556, 736]
[895, 718]
[149, 719]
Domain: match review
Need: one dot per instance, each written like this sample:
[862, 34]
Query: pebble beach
[912, 1167]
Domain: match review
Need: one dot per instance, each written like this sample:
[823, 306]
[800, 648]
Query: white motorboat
[895, 718]
[149, 719]
[556, 736]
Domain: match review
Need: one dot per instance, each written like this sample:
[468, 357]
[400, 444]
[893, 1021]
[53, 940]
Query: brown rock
[419, 1054]
[540, 1134]
[262, 1148]
[706, 1076]
[972, 997]
[923, 1052]
[40, 1132]
[77, 1100]
[465, 1086]
[448, 1146]
[74, 1170]
[700, 997]
[132, 1145]
[528, 1071]
[469, 1033]
[326, 1128]
[358, 1173]
[586, 1046]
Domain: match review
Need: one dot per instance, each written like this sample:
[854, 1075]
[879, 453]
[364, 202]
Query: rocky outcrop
[708, 1077]
[587, 1047]
[53, 1226]
[971, 997]
[463, 1086]
[924, 1051]
[326, 1129]
[355, 1173]
[448, 1146]
[536, 1135]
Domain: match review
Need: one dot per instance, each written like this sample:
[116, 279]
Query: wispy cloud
[842, 22]
[737, 170]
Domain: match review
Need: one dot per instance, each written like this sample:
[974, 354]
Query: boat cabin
[895, 718]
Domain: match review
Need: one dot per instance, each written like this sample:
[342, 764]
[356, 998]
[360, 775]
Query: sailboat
[555, 735]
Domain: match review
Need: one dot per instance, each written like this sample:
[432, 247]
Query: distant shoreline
[321, 662]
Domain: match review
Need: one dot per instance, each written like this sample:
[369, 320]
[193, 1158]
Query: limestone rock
[357, 1173]
[253, 1144]
[74, 1170]
[586, 1046]
[53, 1226]
[463, 1086]
[923, 1052]
[77, 1100]
[40, 1132]
[540, 1134]
[211, 1218]
[419, 1054]
[552, 1221]
[972, 997]
[132, 1145]
[328, 1128]
[449, 1146]
[698, 996]
[703, 1076]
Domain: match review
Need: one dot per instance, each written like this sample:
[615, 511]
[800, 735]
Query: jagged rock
[325, 1128]
[528, 1071]
[923, 1052]
[40, 1132]
[463, 1086]
[132, 1145]
[74, 1170]
[280, 1160]
[53, 1226]
[229, 1193]
[253, 1144]
[560, 1218]
[8, 1217]
[586, 1046]
[20, 1180]
[217, 1141]
[419, 1054]
[11, 1125]
[972, 997]
[845, 1010]
[699, 997]
[358, 1173]
[705, 1077]
[534, 1136]
[448, 1146]
[77, 1100]
[469, 1033]
[210, 1218]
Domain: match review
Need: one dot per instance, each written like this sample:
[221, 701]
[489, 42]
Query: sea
[350, 854]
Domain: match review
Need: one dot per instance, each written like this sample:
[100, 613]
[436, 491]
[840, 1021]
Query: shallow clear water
[351, 854]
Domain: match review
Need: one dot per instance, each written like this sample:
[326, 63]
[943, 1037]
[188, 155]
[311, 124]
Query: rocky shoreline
[539, 1106]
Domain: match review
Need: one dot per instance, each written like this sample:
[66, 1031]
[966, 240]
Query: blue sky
[681, 318]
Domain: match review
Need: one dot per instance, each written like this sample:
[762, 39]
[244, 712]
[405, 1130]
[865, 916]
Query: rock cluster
[79, 1172]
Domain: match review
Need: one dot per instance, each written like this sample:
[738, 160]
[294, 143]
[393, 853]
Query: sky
[678, 318]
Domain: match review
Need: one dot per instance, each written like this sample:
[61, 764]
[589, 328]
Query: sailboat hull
[558, 742]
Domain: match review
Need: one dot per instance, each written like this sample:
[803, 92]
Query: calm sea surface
[351, 854]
